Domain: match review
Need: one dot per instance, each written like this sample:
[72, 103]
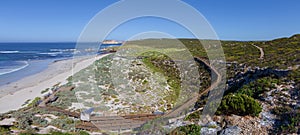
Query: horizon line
[237, 40]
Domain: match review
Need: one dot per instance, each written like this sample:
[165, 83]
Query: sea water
[18, 60]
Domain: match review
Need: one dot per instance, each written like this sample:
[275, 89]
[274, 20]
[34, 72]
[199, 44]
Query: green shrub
[83, 133]
[4, 130]
[34, 102]
[187, 130]
[256, 88]
[44, 91]
[193, 116]
[288, 119]
[64, 123]
[239, 104]
[59, 133]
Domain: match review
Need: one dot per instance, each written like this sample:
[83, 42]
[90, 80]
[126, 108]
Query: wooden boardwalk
[63, 111]
[180, 110]
[44, 103]
[86, 126]
[52, 96]
[122, 122]
[116, 123]
[125, 122]
[134, 121]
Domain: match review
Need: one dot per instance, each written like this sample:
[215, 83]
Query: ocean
[18, 60]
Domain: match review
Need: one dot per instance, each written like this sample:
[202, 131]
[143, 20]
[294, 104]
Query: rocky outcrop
[211, 128]
[247, 124]
[234, 130]
[208, 131]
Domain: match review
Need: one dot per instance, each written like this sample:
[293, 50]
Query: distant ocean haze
[18, 60]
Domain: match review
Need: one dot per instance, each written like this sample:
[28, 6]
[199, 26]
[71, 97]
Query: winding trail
[262, 53]
[134, 121]
[192, 101]
[124, 122]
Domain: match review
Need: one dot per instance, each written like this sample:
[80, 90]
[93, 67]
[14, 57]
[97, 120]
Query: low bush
[187, 130]
[239, 104]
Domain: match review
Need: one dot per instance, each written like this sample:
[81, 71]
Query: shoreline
[16, 69]
[31, 86]
[34, 67]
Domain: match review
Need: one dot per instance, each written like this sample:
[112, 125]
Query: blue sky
[63, 20]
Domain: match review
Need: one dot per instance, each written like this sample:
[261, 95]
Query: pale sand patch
[48, 129]
[31, 86]
[9, 121]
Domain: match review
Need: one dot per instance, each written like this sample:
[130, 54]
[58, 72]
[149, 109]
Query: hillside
[262, 95]
[273, 81]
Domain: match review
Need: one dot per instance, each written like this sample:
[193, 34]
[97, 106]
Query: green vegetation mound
[239, 104]
[161, 63]
[187, 130]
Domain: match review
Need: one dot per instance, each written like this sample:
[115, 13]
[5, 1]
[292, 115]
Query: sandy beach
[30, 87]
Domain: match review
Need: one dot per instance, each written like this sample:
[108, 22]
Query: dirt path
[262, 53]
